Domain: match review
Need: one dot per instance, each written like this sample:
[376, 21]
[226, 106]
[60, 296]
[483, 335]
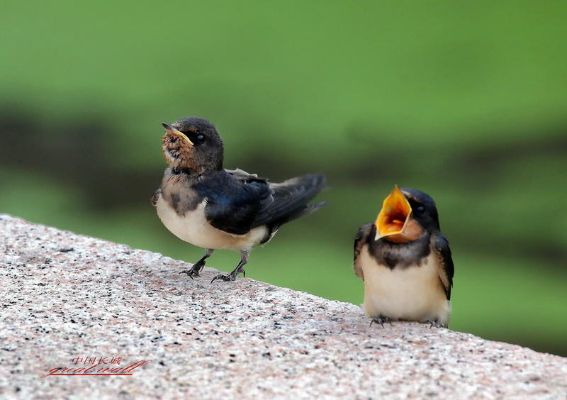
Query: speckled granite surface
[69, 301]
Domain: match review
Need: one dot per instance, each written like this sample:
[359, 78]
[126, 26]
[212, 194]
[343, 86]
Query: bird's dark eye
[200, 137]
[419, 209]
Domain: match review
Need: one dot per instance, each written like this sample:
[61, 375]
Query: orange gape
[394, 220]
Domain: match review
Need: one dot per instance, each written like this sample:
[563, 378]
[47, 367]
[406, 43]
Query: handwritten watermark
[98, 366]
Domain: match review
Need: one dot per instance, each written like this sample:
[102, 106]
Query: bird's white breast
[414, 293]
[193, 227]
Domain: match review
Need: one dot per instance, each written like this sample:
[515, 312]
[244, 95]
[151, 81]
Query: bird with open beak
[405, 262]
[208, 206]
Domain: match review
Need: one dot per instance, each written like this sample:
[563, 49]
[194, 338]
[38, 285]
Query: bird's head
[192, 143]
[406, 215]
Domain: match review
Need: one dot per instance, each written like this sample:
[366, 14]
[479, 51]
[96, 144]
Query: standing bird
[405, 261]
[213, 208]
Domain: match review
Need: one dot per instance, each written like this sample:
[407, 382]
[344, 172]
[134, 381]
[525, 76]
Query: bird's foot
[230, 277]
[195, 270]
[434, 323]
[238, 270]
[380, 320]
[225, 277]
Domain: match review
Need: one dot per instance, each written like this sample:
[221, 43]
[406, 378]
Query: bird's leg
[380, 320]
[239, 268]
[198, 266]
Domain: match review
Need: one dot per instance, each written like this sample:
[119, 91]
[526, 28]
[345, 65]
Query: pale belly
[413, 294]
[195, 229]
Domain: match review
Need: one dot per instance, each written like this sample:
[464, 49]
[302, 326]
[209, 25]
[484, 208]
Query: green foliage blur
[465, 101]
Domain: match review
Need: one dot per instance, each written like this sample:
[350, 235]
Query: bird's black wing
[443, 252]
[233, 200]
[359, 241]
[290, 200]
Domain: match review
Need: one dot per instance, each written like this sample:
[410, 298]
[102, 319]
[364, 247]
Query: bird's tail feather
[291, 198]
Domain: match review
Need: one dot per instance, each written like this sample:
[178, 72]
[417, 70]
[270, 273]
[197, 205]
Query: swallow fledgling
[405, 261]
[208, 206]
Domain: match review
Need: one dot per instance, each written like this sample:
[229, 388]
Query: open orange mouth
[394, 215]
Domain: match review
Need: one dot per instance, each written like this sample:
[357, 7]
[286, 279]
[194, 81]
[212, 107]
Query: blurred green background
[465, 101]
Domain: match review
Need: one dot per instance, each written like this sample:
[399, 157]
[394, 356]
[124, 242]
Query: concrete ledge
[66, 298]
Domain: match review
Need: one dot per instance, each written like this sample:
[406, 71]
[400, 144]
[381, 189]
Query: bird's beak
[394, 216]
[170, 130]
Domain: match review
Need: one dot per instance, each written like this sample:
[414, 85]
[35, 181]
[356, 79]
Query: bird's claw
[434, 323]
[194, 272]
[230, 277]
[380, 320]
[191, 273]
[224, 277]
